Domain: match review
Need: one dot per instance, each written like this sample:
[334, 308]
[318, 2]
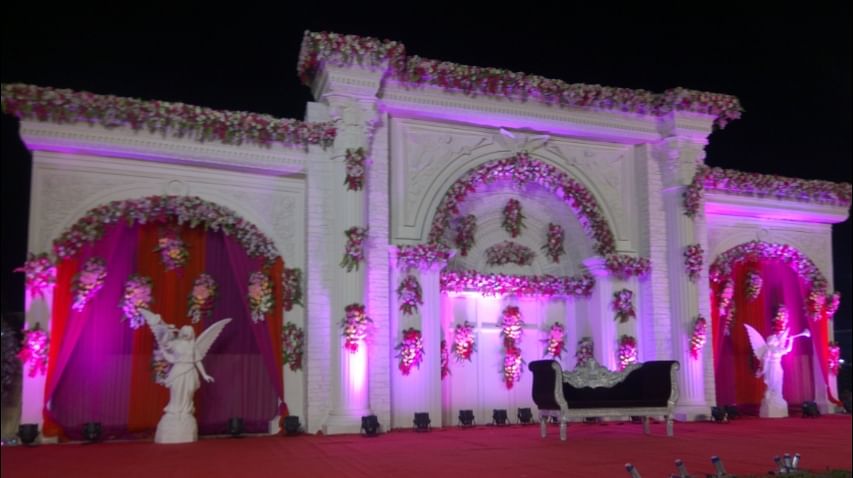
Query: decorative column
[679, 154]
[600, 314]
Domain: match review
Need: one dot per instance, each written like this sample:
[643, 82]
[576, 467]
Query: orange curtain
[60, 313]
[275, 323]
[750, 389]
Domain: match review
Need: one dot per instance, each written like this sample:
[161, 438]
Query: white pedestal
[174, 428]
[773, 407]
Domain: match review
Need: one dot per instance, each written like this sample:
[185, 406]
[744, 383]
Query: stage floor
[746, 446]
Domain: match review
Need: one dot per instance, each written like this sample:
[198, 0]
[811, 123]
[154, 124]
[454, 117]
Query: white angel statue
[770, 353]
[185, 352]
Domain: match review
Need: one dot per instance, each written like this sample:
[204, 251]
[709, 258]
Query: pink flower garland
[834, 358]
[354, 326]
[554, 242]
[698, 337]
[624, 266]
[172, 249]
[411, 350]
[465, 228]
[422, 256]
[160, 367]
[34, 350]
[780, 320]
[623, 305]
[355, 166]
[463, 341]
[291, 280]
[409, 295]
[753, 285]
[693, 261]
[445, 360]
[88, 282]
[137, 296]
[319, 48]
[39, 274]
[260, 296]
[726, 307]
[292, 346]
[354, 253]
[509, 252]
[505, 284]
[555, 344]
[512, 329]
[585, 352]
[513, 219]
[627, 351]
[201, 298]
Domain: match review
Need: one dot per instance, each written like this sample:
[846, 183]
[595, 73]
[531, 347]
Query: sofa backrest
[648, 385]
[545, 378]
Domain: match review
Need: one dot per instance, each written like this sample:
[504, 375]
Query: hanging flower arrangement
[624, 266]
[623, 305]
[554, 242]
[463, 341]
[291, 281]
[137, 296]
[292, 346]
[627, 351]
[445, 359]
[354, 161]
[465, 228]
[693, 261]
[354, 326]
[555, 344]
[39, 274]
[513, 219]
[509, 252]
[201, 298]
[505, 284]
[692, 195]
[34, 350]
[585, 352]
[834, 358]
[727, 306]
[411, 350]
[354, 252]
[780, 320]
[753, 285]
[512, 329]
[260, 295]
[160, 367]
[817, 304]
[422, 256]
[88, 282]
[173, 251]
[698, 337]
[410, 295]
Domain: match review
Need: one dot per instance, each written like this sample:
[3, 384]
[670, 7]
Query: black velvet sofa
[646, 390]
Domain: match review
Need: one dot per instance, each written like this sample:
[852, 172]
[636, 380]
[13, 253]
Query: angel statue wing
[759, 345]
[205, 340]
[161, 330]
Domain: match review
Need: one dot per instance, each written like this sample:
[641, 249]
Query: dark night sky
[790, 67]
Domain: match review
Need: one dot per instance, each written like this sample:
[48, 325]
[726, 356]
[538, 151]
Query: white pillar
[600, 314]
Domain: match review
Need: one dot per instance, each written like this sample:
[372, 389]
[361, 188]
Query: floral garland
[291, 281]
[201, 298]
[34, 350]
[555, 344]
[463, 341]
[292, 346]
[422, 256]
[834, 358]
[192, 211]
[512, 329]
[692, 195]
[585, 352]
[780, 320]
[623, 305]
[319, 48]
[166, 118]
[726, 307]
[260, 296]
[445, 359]
[699, 336]
[466, 227]
[160, 367]
[88, 282]
[513, 219]
[509, 252]
[505, 284]
[39, 273]
[554, 242]
[355, 166]
[354, 252]
[173, 251]
[410, 295]
[354, 326]
[627, 351]
[753, 285]
[693, 261]
[411, 350]
[522, 170]
[624, 266]
[137, 296]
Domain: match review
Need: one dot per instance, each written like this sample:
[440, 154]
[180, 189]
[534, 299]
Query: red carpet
[746, 445]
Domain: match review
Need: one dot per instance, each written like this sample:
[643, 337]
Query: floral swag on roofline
[292, 346]
[505, 284]
[512, 330]
[260, 296]
[555, 344]
[354, 326]
[508, 252]
[201, 298]
[137, 296]
[88, 282]
[411, 350]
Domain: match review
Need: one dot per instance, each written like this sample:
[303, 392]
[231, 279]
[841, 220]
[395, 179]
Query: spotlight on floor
[28, 433]
[525, 416]
[466, 418]
[632, 470]
[292, 427]
[422, 421]
[92, 431]
[370, 426]
[719, 468]
[500, 418]
[681, 469]
[719, 414]
[235, 427]
[732, 411]
[810, 410]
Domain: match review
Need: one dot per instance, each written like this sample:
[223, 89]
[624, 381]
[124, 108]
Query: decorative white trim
[717, 203]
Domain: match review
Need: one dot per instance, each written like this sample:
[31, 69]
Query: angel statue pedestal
[185, 352]
[770, 352]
